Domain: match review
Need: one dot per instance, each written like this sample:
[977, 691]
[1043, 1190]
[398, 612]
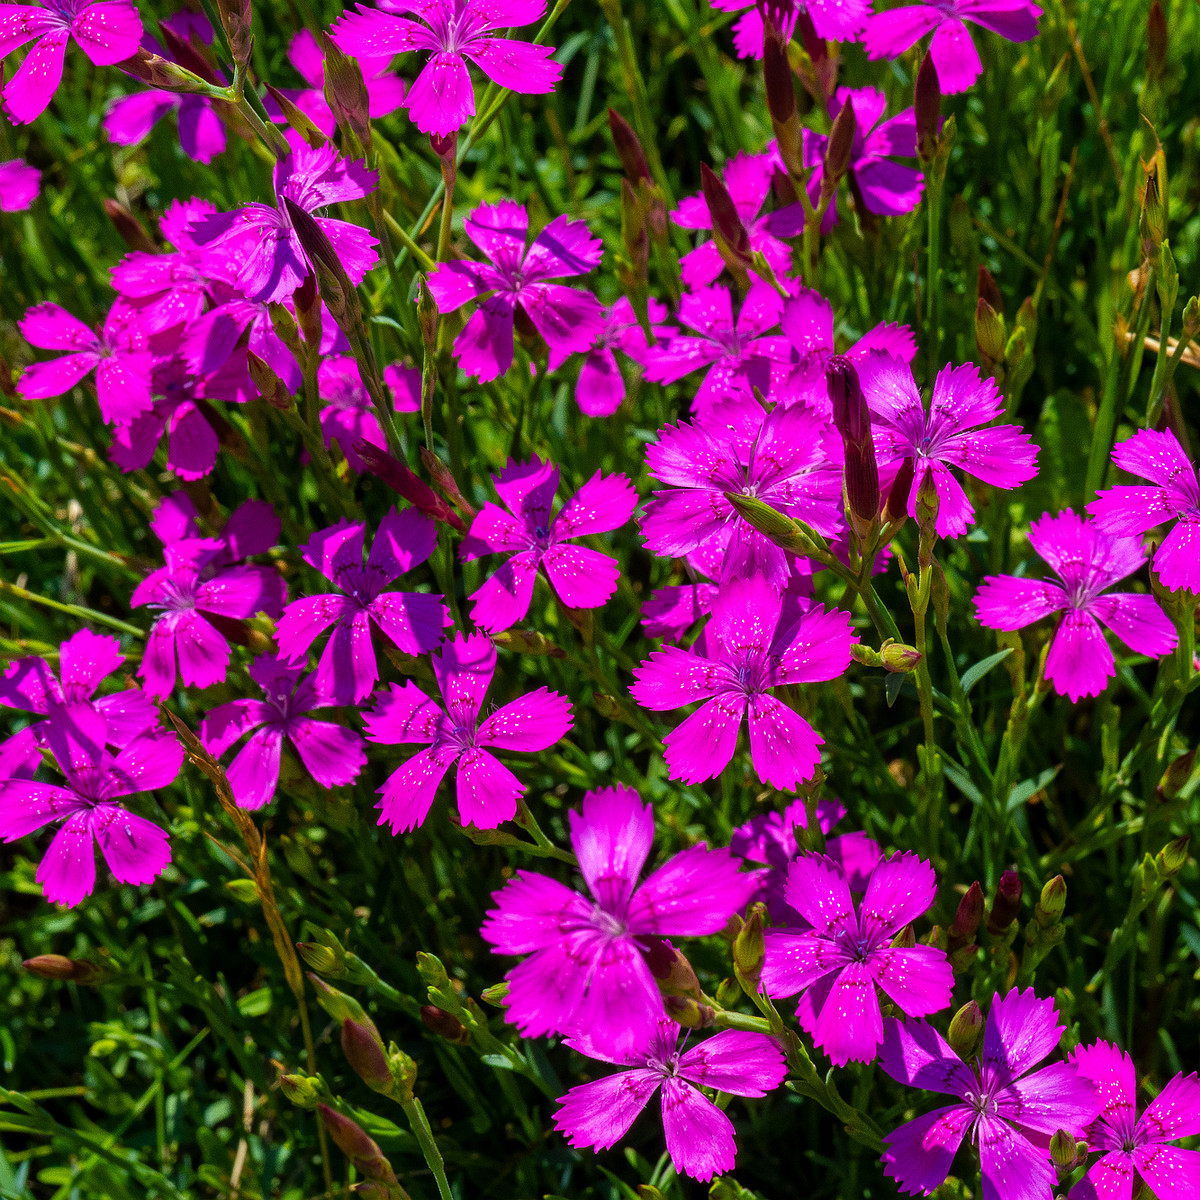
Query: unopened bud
[906, 939]
[749, 948]
[353, 1141]
[927, 108]
[237, 21]
[989, 290]
[323, 959]
[72, 970]
[865, 655]
[895, 511]
[132, 231]
[899, 659]
[688, 1012]
[1176, 776]
[670, 968]
[629, 149]
[1063, 1148]
[729, 991]
[445, 146]
[1053, 901]
[1191, 317]
[364, 1052]
[853, 421]
[339, 294]
[496, 994]
[989, 332]
[267, 382]
[528, 641]
[634, 235]
[968, 915]
[777, 74]
[779, 527]
[927, 502]
[1171, 859]
[402, 481]
[730, 234]
[444, 478]
[307, 301]
[296, 117]
[444, 1024]
[1153, 224]
[966, 1030]
[1006, 904]
[839, 146]
[163, 74]
[346, 92]
[1156, 41]
[301, 1090]
[338, 1005]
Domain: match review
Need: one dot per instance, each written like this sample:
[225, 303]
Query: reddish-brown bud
[777, 75]
[853, 421]
[132, 231]
[364, 1052]
[671, 970]
[840, 145]
[629, 148]
[1006, 904]
[989, 332]
[727, 224]
[268, 383]
[896, 508]
[989, 289]
[237, 22]
[356, 1145]
[346, 91]
[402, 481]
[1156, 41]
[968, 916]
[444, 1024]
[927, 108]
[162, 73]
[71, 970]
[444, 478]
[186, 54]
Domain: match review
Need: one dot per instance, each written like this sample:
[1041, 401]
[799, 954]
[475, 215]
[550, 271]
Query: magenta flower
[788, 458]
[699, 1135]
[833, 20]
[601, 387]
[213, 337]
[749, 650]
[747, 177]
[1173, 495]
[946, 436]
[19, 185]
[515, 284]
[412, 620]
[487, 790]
[252, 528]
[889, 34]
[181, 591]
[770, 838]
[332, 754]
[738, 355]
[586, 972]
[583, 578]
[672, 610]
[261, 239]
[886, 188]
[107, 32]
[84, 660]
[1087, 563]
[837, 963]
[441, 99]
[118, 356]
[135, 849]
[1007, 1112]
[1134, 1147]
[348, 416]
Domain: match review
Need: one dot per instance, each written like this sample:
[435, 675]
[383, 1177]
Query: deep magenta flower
[586, 972]
[1173, 495]
[347, 414]
[107, 32]
[1133, 1147]
[833, 20]
[740, 355]
[332, 754]
[788, 458]
[119, 356]
[85, 659]
[213, 337]
[887, 188]
[747, 177]
[750, 647]
[135, 849]
[770, 838]
[837, 963]
[1009, 1113]
[260, 237]
[182, 590]
[441, 98]
[412, 620]
[487, 790]
[1087, 563]
[601, 387]
[252, 528]
[532, 537]
[889, 34]
[19, 185]
[699, 1135]
[946, 436]
[516, 281]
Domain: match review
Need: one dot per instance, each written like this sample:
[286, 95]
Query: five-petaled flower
[1087, 563]
[586, 972]
[699, 1135]
[837, 963]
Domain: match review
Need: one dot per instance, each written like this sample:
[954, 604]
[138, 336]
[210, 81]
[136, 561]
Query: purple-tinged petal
[41, 380]
[1056, 1097]
[1009, 603]
[254, 772]
[902, 888]
[699, 1135]
[1172, 1173]
[464, 668]
[1021, 1030]
[348, 670]
[332, 754]
[1160, 458]
[413, 620]
[226, 723]
[1112, 1073]
[918, 1155]
[1110, 1177]
[600, 387]
[408, 791]
[1013, 1168]
[531, 722]
[817, 890]
[303, 620]
[849, 1025]
[691, 895]
[795, 961]
[888, 188]
[599, 1114]
[1015, 20]
[568, 318]
[1174, 1112]
[1080, 662]
[147, 764]
[743, 1064]
[504, 598]
[485, 346]
[916, 1055]
[31, 89]
[611, 837]
[955, 57]
[67, 872]
[441, 99]
[530, 911]
[487, 790]
[203, 652]
[604, 503]
[25, 806]
[701, 747]
[108, 32]
[582, 577]
[1177, 560]
[784, 747]
[403, 540]
[919, 979]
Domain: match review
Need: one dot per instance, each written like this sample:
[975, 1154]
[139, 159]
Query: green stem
[419, 1123]
[75, 610]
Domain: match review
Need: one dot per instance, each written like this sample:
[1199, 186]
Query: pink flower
[182, 590]
[770, 838]
[412, 620]
[601, 387]
[107, 31]
[135, 849]
[886, 188]
[84, 660]
[583, 578]
[1086, 562]
[699, 1135]
[19, 185]
[332, 754]
[212, 338]
[946, 436]
[838, 961]
[748, 180]
[1173, 495]
[586, 972]
[516, 281]
[487, 791]
[1134, 1147]
[261, 239]
[788, 458]
[833, 20]
[441, 99]
[750, 648]
[118, 356]
[348, 416]
[1008, 1113]
[889, 34]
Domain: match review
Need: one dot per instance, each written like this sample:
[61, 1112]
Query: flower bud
[906, 939]
[900, 659]
[839, 146]
[1171, 859]
[928, 502]
[496, 994]
[1176, 776]
[966, 1030]
[729, 991]
[749, 948]
[728, 231]
[339, 294]
[364, 1052]
[444, 478]
[402, 481]
[989, 332]
[895, 511]
[779, 527]
[634, 236]
[988, 289]
[163, 74]
[267, 382]
[1153, 223]
[927, 108]
[968, 915]
[777, 74]
[338, 1005]
[444, 1024]
[307, 302]
[355, 1144]
[1053, 901]
[323, 959]
[72, 970]
[1063, 1148]
[1191, 317]
[863, 654]
[1006, 904]
[301, 1090]
[237, 21]
[346, 92]
[528, 641]
[133, 232]
[689, 1013]
[670, 968]
[629, 149]
[1156, 41]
